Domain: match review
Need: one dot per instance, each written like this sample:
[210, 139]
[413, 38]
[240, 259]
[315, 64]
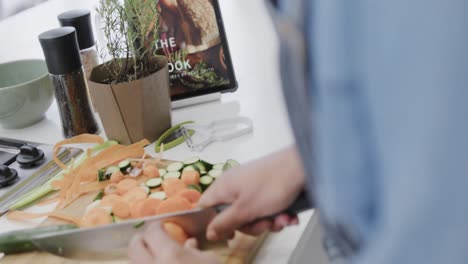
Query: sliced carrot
[117, 177]
[191, 177]
[48, 201]
[75, 187]
[71, 187]
[65, 185]
[172, 205]
[135, 195]
[84, 138]
[174, 189]
[57, 185]
[109, 200]
[191, 195]
[137, 208]
[173, 186]
[108, 151]
[63, 204]
[71, 198]
[111, 189]
[21, 216]
[92, 187]
[151, 171]
[126, 185]
[175, 232]
[66, 218]
[171, 181]
[133, 151]
[108, 158]
[146, 208]
[121, 209]
[96, 217]
[159, 189]
[142, 180]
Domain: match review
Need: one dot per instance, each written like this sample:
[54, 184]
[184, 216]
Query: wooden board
[241, 250]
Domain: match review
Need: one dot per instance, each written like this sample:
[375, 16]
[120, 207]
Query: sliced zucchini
[230, 164]
[102, 175]
[158, 195]
[208, 166]
[195, 187]
[206, 181]
[191, 168]
[176, 166]
[201, 167]
[215, 173]
[154, 183]
[117, 219]
[125, 166]
[218, 166]
[162, 172]
[172, 175]
[191, 161]
[111, 171]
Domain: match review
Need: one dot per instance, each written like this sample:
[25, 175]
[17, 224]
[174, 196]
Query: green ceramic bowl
[26, 93]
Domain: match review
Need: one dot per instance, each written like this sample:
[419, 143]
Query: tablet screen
[194, 41]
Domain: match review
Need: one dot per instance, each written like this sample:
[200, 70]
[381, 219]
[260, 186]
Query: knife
[110, 242]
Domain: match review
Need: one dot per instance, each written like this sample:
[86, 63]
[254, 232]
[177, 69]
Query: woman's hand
[155, 246]
[258, 189]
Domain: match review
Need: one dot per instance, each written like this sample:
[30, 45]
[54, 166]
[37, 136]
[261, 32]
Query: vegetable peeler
[198, 136]
[172, 138]
[220, 130]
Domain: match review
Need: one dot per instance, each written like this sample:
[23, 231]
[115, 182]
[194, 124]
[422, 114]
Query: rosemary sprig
[131, 31]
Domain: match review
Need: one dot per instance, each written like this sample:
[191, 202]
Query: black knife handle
[299, 205]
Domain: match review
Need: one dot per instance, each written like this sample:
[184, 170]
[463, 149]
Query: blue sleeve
[415, 72]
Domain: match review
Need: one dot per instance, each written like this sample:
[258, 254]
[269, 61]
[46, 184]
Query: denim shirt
[377, 94]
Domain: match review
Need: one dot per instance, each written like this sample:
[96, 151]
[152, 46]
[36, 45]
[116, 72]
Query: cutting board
[240, 250]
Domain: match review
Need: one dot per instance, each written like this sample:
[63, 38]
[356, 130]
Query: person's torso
[328, 115]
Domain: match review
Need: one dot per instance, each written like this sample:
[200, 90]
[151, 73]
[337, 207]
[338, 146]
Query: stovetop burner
[7, 176]
[25, 166]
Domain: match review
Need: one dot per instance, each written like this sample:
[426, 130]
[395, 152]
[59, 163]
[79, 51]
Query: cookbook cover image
[193, 40]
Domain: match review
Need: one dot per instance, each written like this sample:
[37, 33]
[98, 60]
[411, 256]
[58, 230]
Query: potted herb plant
[131, 88]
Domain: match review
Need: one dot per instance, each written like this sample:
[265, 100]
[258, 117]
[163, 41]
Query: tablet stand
[196, 100]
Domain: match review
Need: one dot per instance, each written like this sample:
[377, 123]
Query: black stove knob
[29, 156]
[7, 175]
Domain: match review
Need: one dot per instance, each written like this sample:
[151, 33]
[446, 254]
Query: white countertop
[253, 47]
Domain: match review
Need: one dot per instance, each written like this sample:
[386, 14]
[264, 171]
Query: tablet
[194, 41]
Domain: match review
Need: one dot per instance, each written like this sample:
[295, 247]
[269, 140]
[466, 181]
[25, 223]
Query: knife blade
[110, 242]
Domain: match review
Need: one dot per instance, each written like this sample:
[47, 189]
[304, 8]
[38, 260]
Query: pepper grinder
[80, 19]
[60, 47]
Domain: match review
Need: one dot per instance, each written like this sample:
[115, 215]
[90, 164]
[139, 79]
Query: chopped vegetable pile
[130, 185]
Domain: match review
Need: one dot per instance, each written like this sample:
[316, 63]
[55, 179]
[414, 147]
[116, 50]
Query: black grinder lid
[61, 50]
[80, 19]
